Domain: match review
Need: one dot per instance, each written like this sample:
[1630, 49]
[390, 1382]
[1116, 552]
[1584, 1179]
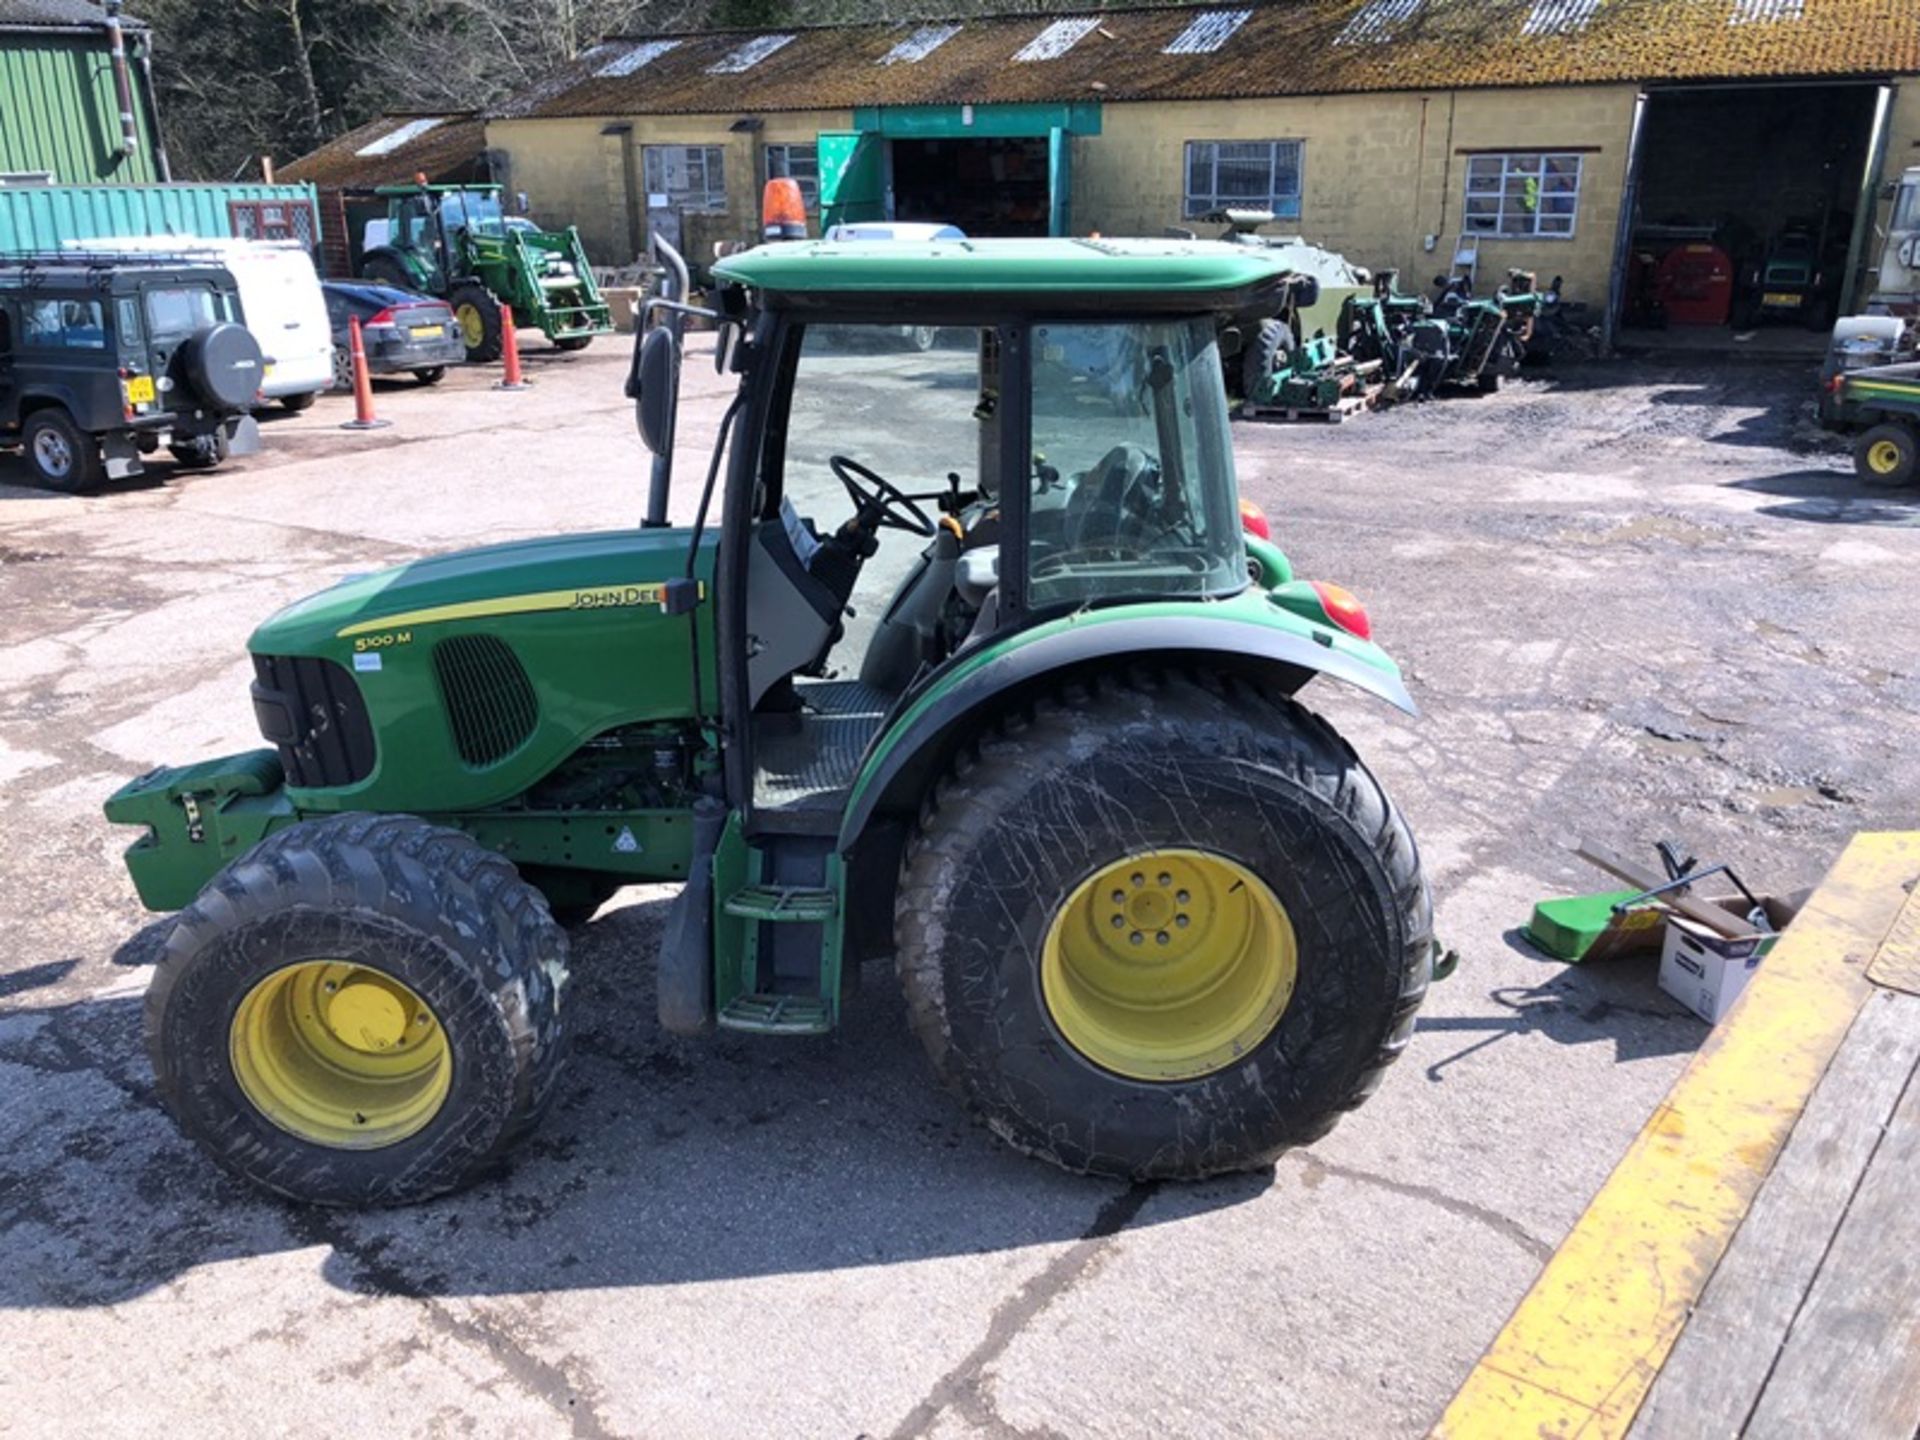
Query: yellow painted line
[1586, 1343]
[597, 597]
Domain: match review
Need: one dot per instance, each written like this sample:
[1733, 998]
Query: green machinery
[457, 243]
[1879, 406]
[1151, 914]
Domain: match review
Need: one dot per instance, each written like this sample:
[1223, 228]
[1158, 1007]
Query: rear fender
[911, 756]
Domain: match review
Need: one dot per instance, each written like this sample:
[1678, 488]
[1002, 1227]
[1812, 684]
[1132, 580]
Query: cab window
[1132, 491]
[63, 325]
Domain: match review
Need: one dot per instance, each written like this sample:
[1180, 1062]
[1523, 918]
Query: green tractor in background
[1030, 724]
[456, 243]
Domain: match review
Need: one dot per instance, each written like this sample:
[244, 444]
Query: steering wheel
[886, 502]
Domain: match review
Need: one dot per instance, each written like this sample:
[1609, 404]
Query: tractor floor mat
[810, 767]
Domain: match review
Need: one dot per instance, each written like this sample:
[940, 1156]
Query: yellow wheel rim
[1169, 965]
[473, 329]
[340, 1055]
[1883, 457]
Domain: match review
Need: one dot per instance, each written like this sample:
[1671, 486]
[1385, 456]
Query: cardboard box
[1706, 972]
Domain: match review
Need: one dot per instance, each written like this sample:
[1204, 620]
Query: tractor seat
[793, 617]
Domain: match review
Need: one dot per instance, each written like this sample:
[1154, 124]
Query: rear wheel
[1887, 455]
[1162, 930]
[479, 317]
[1270, 352]
[362, 1010]
[297, 403]
[202, 452]
[431, 375]
[385, 270]
[342, 368]
[61, 455]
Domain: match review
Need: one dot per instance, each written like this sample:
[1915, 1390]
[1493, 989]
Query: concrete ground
[1633, 603]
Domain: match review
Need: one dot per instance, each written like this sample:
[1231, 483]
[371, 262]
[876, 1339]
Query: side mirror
[658, 376]
[1306, 291]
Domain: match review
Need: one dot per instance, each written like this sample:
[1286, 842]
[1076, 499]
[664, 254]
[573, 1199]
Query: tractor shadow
[1835, 497]
[1615, 1002]
[665, 1161]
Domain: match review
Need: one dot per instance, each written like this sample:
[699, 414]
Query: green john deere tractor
[455, 242]
[1026, 718]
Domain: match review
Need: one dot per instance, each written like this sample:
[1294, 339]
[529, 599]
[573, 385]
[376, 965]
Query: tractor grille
[311, 711]
[489, 700]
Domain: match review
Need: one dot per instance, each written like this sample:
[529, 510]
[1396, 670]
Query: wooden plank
[1720, 1364]
[1851, 1365]
[1721, 922]
[1897, 965]
[1583, 1348]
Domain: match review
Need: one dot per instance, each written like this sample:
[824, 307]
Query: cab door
[9, 398]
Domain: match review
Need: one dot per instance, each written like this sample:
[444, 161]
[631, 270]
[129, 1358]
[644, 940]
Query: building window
[272, 220]
[797, 162]
[1244, 174]
[686, 177]
[1524, 194]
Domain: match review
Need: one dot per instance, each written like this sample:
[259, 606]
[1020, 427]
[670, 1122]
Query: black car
[400, 330]
[105, 358]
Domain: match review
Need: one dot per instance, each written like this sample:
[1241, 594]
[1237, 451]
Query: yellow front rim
[340, 1055]
[1169, 965]
[473, 329]
[1883, 457]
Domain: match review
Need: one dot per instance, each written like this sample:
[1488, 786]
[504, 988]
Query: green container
[1573, 927]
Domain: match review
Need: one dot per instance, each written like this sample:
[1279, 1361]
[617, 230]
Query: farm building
[71, 110]
[1599, 140]
[447, 147]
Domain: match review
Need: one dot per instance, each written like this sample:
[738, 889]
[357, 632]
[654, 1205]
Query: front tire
[431, 375]
[1206, 1044]
[573, 342]
[362, 1010]
[479, 316]
[297, 403]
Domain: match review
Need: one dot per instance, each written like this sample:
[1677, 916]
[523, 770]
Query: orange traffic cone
[363, 416]
[512, 380]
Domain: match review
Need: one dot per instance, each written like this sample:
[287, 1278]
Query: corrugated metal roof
[1287, 47]
[61, 13]
[392, 150]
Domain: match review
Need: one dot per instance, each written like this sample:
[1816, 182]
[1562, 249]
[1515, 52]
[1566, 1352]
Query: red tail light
[1254, 520]
[380, 317]
[1343, 608]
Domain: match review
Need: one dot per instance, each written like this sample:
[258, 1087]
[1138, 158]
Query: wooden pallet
[1333, 414]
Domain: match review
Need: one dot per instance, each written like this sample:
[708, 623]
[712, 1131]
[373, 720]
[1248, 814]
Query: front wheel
[431, 375]
[362, 1010]
[1886, 455]
[1157, 929]
[573, 342]
[297, 403]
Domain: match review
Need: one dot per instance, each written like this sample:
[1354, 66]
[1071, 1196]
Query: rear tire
[1887, 455]
[1019, 841]
[394, 907]
[297, 403]
[432, 375]
[1272, 350]
[203, 452]
[62, 456]
[479, 316]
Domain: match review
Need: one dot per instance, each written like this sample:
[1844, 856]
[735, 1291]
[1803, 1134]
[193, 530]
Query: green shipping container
[46, 217]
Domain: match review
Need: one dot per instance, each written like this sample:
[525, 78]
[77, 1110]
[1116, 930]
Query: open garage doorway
[987, 186]
[1745, 208]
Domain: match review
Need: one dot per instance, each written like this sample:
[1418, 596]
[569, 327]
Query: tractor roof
[419, 189]
[1176, 275]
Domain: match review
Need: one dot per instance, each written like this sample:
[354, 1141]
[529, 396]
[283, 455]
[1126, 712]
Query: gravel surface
[1632, 603]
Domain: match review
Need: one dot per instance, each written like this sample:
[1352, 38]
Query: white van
[280, 302]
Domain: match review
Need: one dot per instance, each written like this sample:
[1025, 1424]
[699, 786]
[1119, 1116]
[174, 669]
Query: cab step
[807, 904]
[778, 1014]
